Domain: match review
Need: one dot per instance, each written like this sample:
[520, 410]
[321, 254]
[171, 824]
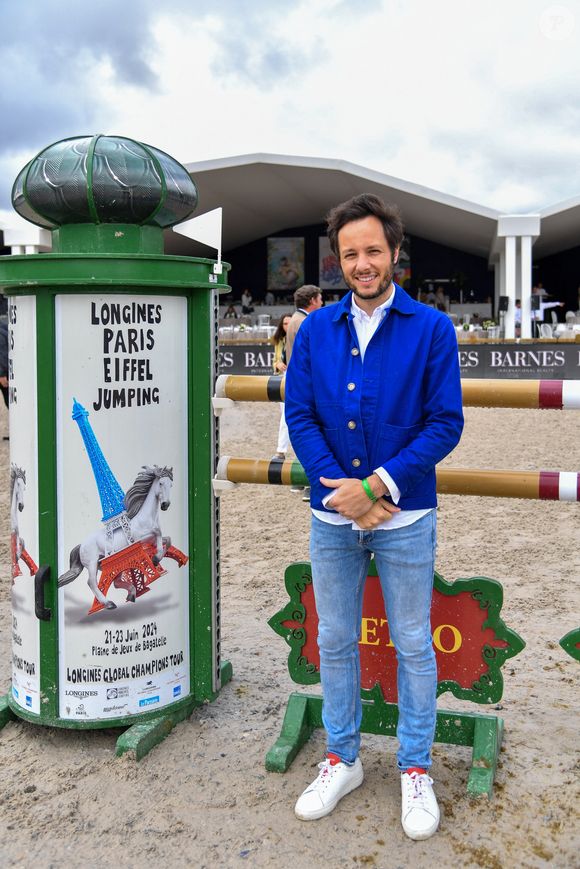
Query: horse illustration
[149, 493]
[17, 488]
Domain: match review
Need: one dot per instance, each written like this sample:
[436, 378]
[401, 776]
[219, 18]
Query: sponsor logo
[527, 358]
[114, 708]
[176, 690]
[149, 686]
[15, 692]
[119, 691]
[80, 710]
[149, 701]
[29, 700]
[80, 695]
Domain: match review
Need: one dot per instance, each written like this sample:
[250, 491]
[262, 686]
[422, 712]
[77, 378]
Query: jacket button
[351, 424]
[354, 351]
[351, 386]
[356, 463]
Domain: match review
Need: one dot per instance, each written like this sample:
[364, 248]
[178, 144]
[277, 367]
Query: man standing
[373, 403]
[306, 299]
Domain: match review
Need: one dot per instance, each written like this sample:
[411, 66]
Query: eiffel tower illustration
[130, 567]
[111, 494]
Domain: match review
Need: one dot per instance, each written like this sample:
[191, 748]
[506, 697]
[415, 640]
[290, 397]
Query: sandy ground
[203, 797]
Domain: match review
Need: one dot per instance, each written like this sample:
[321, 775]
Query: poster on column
[122, 435]
[23, 500]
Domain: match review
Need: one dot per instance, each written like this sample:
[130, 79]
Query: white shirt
[365, 327]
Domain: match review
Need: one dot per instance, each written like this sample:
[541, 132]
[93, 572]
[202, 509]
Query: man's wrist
[378, 487]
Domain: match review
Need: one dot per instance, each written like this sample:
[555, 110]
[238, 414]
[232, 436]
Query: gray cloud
[554, 175]
[251, 53]
[48, 48]
[56, 35]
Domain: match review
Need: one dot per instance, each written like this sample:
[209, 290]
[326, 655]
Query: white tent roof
[266, 193]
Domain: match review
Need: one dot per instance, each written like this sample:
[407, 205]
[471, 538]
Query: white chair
[546, 331]
[554, 317]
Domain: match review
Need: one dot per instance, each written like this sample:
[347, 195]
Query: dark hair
[280, 333]
[359, 207]
[304, 295]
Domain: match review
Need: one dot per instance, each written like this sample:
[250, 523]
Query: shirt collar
[379, 311]
[402, 303]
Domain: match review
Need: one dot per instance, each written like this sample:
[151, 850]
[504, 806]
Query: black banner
[530, 361]
[246, 358]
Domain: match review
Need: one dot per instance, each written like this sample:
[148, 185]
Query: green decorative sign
[571, 643]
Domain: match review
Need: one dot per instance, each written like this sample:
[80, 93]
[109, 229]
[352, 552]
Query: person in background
[231, 312]
[373, 404]
[269, 298]
[247, 307]
[441, 299]
[4, 364]
[540, 314]
[518, 318]
[430, 297]
[280, 365]
[307, 299]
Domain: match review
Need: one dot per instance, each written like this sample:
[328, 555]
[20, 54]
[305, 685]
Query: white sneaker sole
[326, 810]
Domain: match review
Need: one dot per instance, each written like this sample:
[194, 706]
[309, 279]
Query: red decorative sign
[471, 641]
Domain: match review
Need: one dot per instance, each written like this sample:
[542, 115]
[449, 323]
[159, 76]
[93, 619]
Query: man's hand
[350, 499]
[381, 511]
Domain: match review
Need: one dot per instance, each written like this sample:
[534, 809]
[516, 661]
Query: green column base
[6, 713]
[140, 738]
[226, 673]
[483, 732]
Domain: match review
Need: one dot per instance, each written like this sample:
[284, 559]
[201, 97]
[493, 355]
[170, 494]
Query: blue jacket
[401, 409]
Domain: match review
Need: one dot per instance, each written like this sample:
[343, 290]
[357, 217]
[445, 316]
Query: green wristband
[368, 490]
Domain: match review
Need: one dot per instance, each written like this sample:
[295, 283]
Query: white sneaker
[419, 812]
[335, 780]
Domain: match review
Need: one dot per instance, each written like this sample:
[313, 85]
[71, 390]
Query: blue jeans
[405, 560]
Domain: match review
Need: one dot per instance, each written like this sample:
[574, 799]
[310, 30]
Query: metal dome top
[104, 179]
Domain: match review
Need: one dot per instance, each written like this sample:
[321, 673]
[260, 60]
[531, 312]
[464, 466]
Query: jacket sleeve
[306, 434]
[442, 423]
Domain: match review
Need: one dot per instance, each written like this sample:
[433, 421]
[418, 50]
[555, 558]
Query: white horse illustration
[17, 487]
[149, 493]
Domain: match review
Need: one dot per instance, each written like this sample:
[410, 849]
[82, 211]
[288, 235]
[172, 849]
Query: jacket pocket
[399, 435]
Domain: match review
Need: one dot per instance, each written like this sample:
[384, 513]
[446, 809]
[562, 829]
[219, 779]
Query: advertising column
[121, 376]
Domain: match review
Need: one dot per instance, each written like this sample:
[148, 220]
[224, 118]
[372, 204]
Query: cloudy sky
[477, 100]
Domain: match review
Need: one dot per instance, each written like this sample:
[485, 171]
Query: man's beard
[381, 289]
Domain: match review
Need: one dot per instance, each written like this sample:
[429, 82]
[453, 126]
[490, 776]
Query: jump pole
[542, 394]
[534, 485]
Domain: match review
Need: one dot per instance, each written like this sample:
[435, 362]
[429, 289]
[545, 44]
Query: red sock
[416, 769]
[333, 758]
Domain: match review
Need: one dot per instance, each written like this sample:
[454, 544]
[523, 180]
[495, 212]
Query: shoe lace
[418, 793]
[324, 775]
